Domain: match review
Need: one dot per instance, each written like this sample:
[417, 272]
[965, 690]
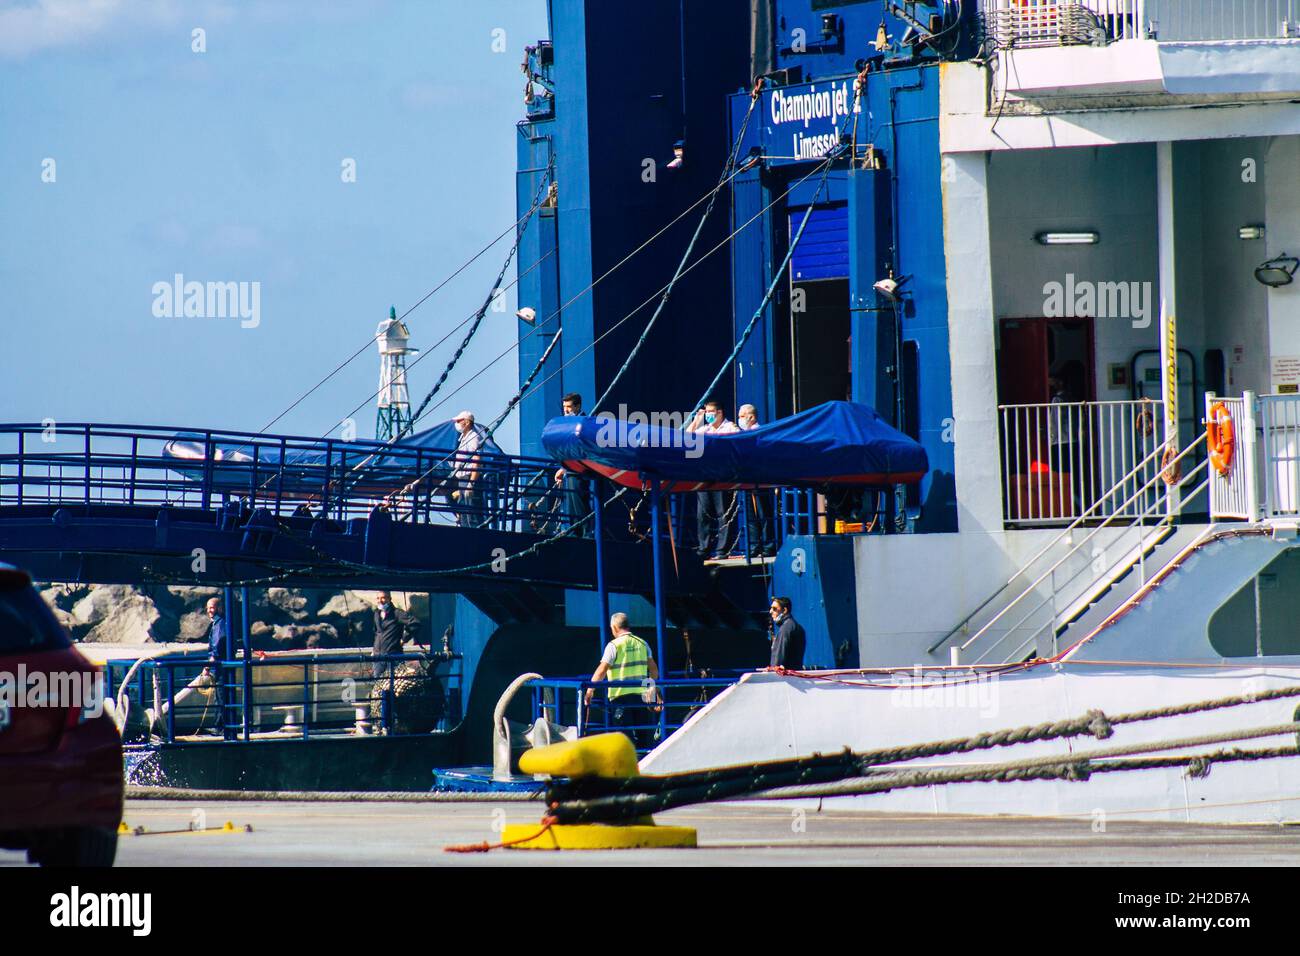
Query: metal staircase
[1073, 583]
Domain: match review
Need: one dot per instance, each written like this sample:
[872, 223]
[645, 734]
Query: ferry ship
[1054, 240]
[1044, 249]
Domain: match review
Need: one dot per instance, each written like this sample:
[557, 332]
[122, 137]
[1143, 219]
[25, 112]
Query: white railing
[1234, 494]
[1063, 577]
[1279, 419]
[1065, 459]
[1023, 23]
[1222, 19]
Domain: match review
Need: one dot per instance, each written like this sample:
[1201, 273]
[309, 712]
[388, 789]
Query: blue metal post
[248, 663]
[598, 510]
[657, 557]
[227, 654]
[171, 704]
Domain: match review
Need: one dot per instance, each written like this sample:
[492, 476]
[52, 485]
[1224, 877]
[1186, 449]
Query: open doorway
[1035, 351]
[819, 339]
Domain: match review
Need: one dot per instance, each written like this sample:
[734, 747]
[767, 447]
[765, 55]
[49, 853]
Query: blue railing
[292, 694]
[321, 478]
[562, 700]
[83, 463]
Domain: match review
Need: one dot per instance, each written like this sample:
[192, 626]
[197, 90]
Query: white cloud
[28, 27]
[31, 26]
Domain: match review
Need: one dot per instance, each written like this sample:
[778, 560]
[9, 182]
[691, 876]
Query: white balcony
[1173, 47]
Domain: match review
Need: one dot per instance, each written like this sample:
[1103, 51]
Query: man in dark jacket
[220, 644]
[787, 637]
[391, 626]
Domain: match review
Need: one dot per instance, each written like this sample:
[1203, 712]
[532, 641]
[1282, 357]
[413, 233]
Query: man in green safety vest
[632, 706]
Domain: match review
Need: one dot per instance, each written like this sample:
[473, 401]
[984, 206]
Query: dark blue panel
[823, 250]
[873, 330]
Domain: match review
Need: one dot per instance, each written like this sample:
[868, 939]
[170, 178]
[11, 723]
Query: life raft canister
[1220, 437]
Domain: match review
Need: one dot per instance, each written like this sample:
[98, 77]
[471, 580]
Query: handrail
[1158, 477]
[244, 700]
[1164, 522]
[1068, 530]
[663, 725]
[1139, 523]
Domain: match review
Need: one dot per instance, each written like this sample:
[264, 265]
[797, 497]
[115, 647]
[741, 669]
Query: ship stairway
[1075, 583]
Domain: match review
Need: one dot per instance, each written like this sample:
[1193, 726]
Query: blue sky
[225, 166]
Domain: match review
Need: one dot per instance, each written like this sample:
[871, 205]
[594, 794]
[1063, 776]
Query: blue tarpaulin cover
[834, 443]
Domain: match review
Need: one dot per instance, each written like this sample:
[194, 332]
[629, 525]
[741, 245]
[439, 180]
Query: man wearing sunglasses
[787, 636]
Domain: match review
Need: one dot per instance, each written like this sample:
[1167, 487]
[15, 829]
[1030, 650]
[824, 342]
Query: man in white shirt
[465, 468]
[758, 503]
[713, 508]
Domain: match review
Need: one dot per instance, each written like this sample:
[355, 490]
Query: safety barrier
[84, 463]
[1061, 460]
[561, 700]
[1024, 23]
[283, 694]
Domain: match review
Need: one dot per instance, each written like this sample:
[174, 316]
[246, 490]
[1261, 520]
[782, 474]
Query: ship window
[1263, 618]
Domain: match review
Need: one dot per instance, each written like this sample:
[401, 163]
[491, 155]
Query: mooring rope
[596, 798]
[866, 781]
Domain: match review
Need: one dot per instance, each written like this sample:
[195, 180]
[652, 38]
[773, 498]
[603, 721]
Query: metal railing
[1059, 592]
[291, 694]
[1235, 495]
[1025, 23]
[1279, 447]
[1028, 23]
[561, 700]
[1191, 20]
[1063, 459]
[84, 463]
[300, 477]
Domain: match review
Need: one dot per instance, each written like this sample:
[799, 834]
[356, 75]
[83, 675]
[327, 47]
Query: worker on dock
[391, 630]
[219, 640]
[788, 638]
[628, 658]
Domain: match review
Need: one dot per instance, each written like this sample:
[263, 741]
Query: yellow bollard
[611, 756]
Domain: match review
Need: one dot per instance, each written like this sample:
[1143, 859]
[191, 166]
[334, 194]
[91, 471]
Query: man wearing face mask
[466, 468]
[712, 508]
[788, 637]
[758, 503]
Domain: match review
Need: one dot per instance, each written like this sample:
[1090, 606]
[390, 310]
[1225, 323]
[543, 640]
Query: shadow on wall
[939, 510]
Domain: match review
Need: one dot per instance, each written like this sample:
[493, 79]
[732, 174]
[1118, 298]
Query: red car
[61, 778]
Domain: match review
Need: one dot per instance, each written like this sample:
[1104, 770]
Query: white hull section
[772, 717]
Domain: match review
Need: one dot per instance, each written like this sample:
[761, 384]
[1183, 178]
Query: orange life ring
[1220, 437]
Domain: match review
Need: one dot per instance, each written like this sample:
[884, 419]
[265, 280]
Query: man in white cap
[465, 468]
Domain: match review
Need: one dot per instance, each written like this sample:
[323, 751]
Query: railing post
[135, 466]
[228, 654]
[325, 484]
[598, 511]
[279, 478]
[205, 494]
[21, 451]
[248, 663]
[171, 704]
[1248, 441]
[87, 497]
[656, 557]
